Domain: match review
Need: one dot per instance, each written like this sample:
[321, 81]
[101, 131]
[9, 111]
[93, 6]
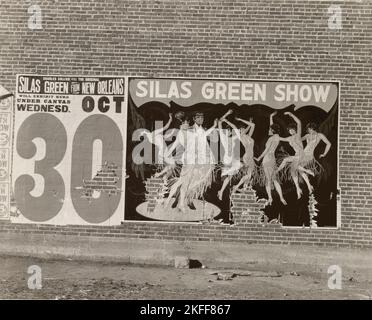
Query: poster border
[17, 75]
[338, 195]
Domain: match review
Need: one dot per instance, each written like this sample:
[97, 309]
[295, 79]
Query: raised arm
[226, 114]
[298, 122]
[249, 123]
[271, 118]
[209, 131]
[223, 137]
[327, 142]
[157, 131]
[251, 129]
[233, 126]
[250, 126]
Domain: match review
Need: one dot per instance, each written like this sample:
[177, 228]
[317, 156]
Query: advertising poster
[68, 150]
[192, 143]
[6, 113]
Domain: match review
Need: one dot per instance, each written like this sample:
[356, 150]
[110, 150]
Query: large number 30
[51, 130]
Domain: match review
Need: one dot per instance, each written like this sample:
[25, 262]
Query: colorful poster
[192, 143]
[68, 150]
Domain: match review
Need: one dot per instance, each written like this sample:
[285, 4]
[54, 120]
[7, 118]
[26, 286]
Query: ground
[67, 279]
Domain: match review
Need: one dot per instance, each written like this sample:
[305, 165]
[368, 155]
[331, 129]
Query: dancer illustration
[230, 140]
[269, 162]
[293, 163]
[313, 138]
[248, 167]
[197, 169]
[178, 148]
[174, 159]
[156, 137]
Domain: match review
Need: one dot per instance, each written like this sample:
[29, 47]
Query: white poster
[68, 150]
[6, 103]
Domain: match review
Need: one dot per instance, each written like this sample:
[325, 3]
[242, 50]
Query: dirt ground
[67, 279]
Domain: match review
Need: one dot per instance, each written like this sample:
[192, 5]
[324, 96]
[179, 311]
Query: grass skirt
[254, 169]
[172, 170]
[293, 167]
[271, 166]
[195, 179]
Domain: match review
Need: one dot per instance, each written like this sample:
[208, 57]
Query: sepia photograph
[187, 156]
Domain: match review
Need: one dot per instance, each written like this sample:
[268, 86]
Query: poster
[6, 112]
[192, 143]
[68, 150]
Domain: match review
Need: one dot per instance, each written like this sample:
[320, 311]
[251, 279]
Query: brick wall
[105, 180]
[277, 39]
[154, 188]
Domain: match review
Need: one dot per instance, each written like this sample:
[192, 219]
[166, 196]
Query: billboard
[68, 152]
[100, 150]
[193, 143]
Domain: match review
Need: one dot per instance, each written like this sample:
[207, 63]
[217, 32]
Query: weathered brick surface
[105, 180]
[154, 192]
[275, 39]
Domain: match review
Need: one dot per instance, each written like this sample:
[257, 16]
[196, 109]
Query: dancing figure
[179, 145]
[197, 166]
[269, 162]
[229, 139]
[156, 137]
[249, 166]
[313, 138]
[293, 163]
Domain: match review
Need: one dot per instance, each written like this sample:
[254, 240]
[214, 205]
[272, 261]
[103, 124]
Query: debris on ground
[66, 280]
[225, 276]
[234, 274]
